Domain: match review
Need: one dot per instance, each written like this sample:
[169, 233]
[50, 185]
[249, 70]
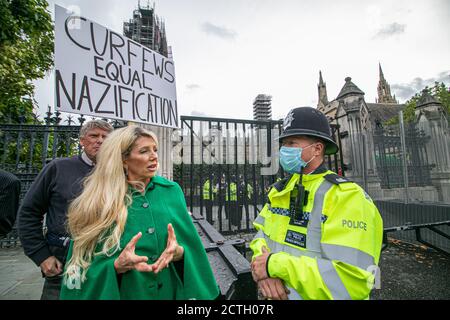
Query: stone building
[384, 90]
[372, 155]
[432, 119]
[382, 109]
[358, 120]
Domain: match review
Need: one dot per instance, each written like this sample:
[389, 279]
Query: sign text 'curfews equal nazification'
[101, 73]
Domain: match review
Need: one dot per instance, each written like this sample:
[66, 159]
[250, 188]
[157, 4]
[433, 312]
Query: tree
[439, 91]
[442, 94]
[26, 54]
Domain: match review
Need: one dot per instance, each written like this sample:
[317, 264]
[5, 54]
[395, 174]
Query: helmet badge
[288, 120]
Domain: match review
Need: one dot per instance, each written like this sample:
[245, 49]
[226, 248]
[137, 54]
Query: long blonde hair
[99, 213]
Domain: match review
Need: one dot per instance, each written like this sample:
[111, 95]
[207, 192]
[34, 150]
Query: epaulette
[336, 179]
[279, 185]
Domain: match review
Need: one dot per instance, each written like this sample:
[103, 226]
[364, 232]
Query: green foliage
[442, 94]
[27, 150]
[26, 54]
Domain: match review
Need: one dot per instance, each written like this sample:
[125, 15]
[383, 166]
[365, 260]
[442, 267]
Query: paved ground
[413, 272]
[20, 278]
[407, 272]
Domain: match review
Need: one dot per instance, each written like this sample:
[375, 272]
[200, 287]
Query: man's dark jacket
[55, 187]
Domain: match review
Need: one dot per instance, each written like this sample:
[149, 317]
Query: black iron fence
[397, 214]
[388, 156]
[226, 167]
[25, 148]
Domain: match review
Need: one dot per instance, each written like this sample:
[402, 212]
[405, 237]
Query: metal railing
[238, 157]
[25, 148]
[388, 144]
[419, 235]
[426, 223]
[226, 167]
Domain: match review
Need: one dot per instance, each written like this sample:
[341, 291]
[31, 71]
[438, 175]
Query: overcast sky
[226, 52]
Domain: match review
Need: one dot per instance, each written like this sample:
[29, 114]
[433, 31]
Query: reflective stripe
[332, 280]
[260, 220]
[280, 211]
[260, 234]
[348, 255]
[326, 269]
[314, 231]
[293, 294]
[276, 247]
[285, 212]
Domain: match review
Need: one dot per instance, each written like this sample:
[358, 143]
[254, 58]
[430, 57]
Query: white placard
[101, 73]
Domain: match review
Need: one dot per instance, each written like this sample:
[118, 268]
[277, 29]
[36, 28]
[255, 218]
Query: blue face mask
[291, 159]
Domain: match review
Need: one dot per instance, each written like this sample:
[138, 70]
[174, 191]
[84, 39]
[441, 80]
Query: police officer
[209, 191]
[221, 189]
[245, 193]
[232, 211]
[319, 235]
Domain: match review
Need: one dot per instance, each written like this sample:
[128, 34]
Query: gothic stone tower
[323, 97]
[384, 90]
[356, 144]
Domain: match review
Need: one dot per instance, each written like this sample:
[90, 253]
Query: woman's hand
[128, 260]
[173, 252]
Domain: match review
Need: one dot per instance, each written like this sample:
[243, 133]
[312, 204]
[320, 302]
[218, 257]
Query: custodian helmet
[307, 121]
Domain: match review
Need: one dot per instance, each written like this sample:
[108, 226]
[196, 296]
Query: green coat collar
[156, 180]
[161, 181]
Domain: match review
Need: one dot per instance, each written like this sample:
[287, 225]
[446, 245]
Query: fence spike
[48, 119]
[69, 120]
[57, 119]
[81, 119]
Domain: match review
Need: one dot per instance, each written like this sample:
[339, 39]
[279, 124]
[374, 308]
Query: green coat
[194, 280]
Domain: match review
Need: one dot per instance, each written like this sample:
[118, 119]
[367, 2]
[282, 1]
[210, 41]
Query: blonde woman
[132, 235]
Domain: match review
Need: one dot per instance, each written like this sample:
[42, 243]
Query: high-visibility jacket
[206, 191]
[334, 249]
[231, 195]
[242, 192]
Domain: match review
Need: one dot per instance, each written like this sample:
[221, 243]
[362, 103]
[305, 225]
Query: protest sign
[101, 73]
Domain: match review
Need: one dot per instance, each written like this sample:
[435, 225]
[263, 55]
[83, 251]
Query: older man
[55, 187]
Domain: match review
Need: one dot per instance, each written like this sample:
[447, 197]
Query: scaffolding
[147, 29]
[262, 107]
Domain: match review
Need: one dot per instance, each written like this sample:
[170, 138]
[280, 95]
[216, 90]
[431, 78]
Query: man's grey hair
[93, 124]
